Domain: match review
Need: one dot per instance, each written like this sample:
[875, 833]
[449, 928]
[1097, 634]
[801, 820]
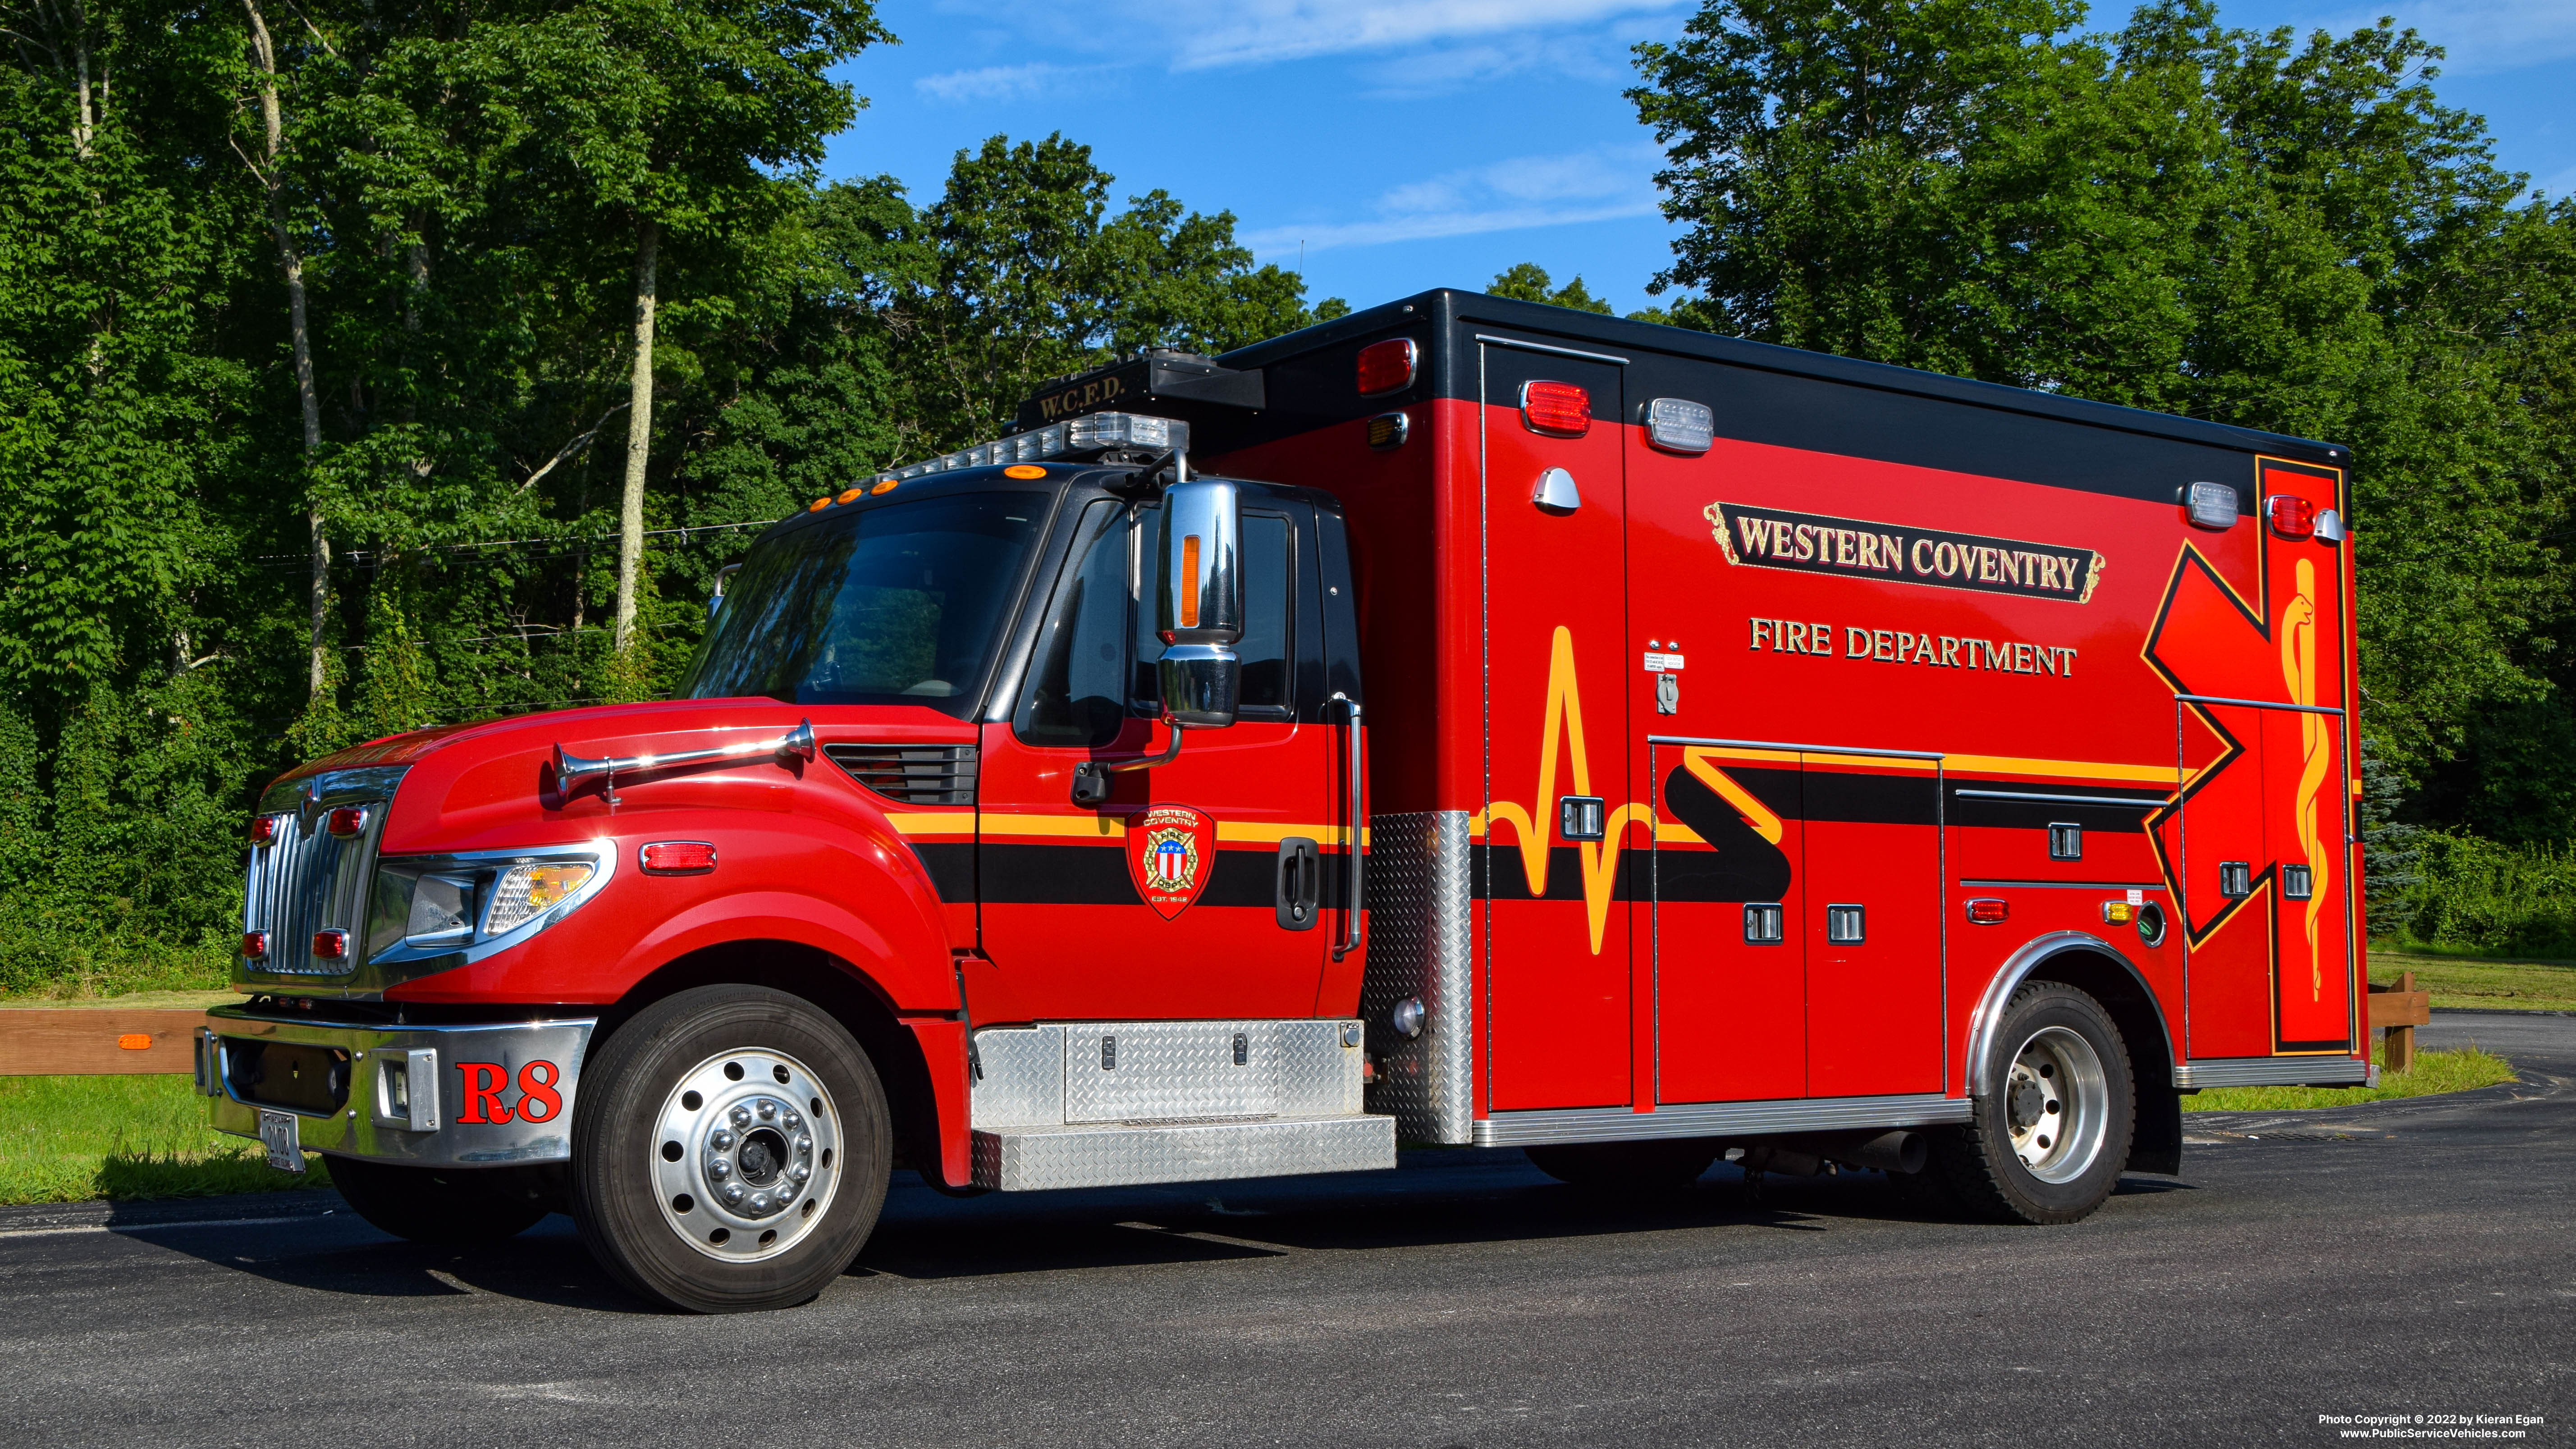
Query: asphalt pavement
[2401, 1258]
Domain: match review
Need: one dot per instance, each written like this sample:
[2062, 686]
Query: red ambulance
[1465, 721]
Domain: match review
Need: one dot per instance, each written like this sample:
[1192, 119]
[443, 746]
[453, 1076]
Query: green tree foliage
[2252, 228]
[463, 193]
[1529, 282]
[1019, 273]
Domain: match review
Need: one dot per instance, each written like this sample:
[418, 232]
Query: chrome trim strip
[2328, 1071]
[2062, 885]
[1812, 749]
[1545, 347]
[2257, 703]
[2132, 803]
[2016, 969]
[1718, 1119]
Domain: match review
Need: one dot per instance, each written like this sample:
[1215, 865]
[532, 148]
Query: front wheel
[730, 1150]
[2047, 1138]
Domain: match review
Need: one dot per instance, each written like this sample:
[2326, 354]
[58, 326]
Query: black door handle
[1301, 884]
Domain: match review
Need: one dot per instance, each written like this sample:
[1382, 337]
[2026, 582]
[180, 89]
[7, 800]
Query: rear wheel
[1657, 1162]
[730, 1146]
[453, 1207]
[2045, 1142]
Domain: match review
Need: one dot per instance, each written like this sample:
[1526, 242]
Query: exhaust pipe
[1805, 1154]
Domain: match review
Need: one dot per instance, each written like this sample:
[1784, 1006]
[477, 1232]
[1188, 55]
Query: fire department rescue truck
[1464, 721]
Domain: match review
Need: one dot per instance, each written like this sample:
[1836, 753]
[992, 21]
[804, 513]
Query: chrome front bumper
[452, 1096]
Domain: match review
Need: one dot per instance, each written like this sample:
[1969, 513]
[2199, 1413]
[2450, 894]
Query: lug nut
[804, 1146]
[733, 1192]
[719, 1169]
[741, 1115]
[767, 1109]
[759, 1203]
[800, 1172]
[791, 1121]
[721, 1139]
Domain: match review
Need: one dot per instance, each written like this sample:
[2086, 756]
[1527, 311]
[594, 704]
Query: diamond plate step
[1113, 1155]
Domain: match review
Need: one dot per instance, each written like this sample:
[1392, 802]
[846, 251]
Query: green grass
[2434, 1073]
[2465, 976]
[72, 1139]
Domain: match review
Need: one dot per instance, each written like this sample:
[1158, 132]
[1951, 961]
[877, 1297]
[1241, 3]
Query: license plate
[278, 1133]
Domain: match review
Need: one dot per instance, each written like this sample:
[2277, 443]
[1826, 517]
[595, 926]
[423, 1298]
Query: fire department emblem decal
[1170, 849]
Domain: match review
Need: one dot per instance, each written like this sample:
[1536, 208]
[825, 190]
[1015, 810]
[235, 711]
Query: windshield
[901, 605]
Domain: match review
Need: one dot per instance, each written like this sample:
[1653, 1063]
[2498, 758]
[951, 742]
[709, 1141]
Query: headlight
[437, 905]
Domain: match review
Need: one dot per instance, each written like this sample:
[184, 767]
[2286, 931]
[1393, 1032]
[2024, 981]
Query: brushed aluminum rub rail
[1718, 1119]
[2270, 1072]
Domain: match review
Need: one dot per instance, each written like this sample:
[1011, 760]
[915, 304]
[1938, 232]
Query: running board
[1718, 1119]
[1034, 1158]
[2271, 1072]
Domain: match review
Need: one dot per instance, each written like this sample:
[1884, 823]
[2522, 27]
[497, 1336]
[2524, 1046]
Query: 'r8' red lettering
[483, 1082]
[536, 1089]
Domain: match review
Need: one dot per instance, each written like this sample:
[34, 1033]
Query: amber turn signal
[2118, 913]
[1024, 471]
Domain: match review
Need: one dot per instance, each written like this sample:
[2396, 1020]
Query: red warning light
[2292, 516]
[1556, 407]
[1387, 366]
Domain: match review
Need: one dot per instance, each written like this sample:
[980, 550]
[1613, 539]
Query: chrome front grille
[307, 880]
[913, 774]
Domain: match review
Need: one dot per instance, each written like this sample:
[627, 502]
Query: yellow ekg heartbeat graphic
[1534, 829]
[2299, 671]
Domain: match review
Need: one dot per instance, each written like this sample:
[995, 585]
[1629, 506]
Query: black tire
[1663, 1162]
[2072, 1143]
[624, 1129]
[452, 1207]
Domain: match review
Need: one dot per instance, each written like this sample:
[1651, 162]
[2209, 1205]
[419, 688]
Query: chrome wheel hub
[2057, 1104]
[743, 1154]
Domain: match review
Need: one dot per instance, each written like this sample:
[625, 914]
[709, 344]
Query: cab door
[1164, 903]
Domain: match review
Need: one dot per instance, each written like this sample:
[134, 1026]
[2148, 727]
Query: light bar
[1090, 434]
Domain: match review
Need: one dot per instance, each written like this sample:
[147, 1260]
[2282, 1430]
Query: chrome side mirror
[1198, 604]
[715, 601]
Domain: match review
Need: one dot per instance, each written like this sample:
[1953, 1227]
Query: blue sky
[1396, 145]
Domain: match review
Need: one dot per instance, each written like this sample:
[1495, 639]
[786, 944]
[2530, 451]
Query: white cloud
[2483, 37]
[1515, 195]
[1203, 34]
[992, 82]
[1248, 32]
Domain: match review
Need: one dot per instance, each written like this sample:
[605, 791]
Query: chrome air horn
[572, 772]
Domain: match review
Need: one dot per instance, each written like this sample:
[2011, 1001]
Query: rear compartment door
[1563, 1015]
[2256, 642]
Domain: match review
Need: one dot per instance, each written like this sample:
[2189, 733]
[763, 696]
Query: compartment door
[1730, 964]
[1873, 924]
[1561, 1020]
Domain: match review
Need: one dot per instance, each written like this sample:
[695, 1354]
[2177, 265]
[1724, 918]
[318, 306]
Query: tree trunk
[639, 435]
[318, 589]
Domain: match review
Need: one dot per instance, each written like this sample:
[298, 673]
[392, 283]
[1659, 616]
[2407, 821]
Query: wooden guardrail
[2400, 1008]
[51, 1041]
